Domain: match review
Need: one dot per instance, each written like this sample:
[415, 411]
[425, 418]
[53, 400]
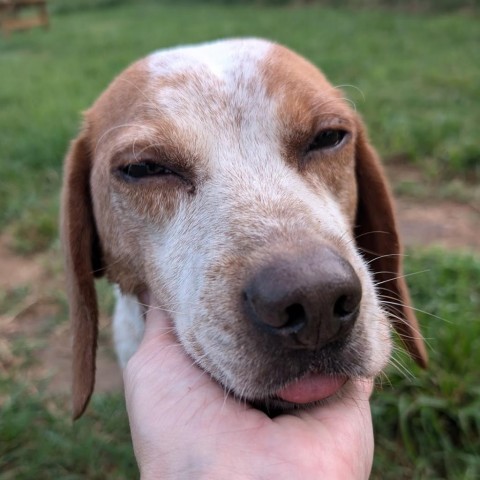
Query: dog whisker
[346, 85]
[402, 305]
[381, 379]
[371, 232]
[380, 257]
[141, 92]
[116, 127]
[401, 368]
[402, 276]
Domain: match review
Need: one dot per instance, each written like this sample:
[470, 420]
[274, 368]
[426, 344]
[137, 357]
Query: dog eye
[327, 139]
[145, 169]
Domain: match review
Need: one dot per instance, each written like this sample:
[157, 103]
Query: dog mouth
[311, 388]
[308, 391]
[299, 379]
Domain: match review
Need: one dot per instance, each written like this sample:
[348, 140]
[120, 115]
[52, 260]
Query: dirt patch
[446, 224]
[16, 270]
[38, 316]
[33, 314]
[48, 337]
[427, 221]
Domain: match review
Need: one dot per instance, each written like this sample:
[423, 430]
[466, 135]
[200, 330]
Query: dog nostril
[296, 317]
[345, 305]
[306, 300]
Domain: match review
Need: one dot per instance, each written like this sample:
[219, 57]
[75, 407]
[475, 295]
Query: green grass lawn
[414, 78]
[427, 422]
[419, 78]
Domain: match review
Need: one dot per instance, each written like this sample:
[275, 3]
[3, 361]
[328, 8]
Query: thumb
[157, 322]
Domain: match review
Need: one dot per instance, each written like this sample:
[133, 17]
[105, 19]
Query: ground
[444, 223]
[35, 282]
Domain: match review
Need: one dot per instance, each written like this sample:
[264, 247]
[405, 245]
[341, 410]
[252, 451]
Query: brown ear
[377, 237]
[82, 262]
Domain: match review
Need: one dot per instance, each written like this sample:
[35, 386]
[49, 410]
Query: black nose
[307, 299]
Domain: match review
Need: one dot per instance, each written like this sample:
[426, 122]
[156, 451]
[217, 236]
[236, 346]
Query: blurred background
[411, 67]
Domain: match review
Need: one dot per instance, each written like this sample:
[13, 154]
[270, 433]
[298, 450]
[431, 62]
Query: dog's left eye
[145, 169]
[327, 139]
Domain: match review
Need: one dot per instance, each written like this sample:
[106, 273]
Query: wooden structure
[22, 15]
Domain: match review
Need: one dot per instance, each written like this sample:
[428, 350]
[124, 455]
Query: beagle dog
[236, 185]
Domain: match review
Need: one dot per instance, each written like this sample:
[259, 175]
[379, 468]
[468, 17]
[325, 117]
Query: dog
[234, 183]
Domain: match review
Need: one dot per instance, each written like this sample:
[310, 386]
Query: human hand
[184, 425]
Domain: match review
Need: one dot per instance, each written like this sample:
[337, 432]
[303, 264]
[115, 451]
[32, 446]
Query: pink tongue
[311, 388]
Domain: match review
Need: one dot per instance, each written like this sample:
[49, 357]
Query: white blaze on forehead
[221, 58]
[215, 93]
[232, 122]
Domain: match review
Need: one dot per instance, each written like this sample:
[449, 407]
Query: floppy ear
[377, 237]
[82, 263]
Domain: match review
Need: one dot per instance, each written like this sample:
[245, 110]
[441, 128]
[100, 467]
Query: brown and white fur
[243, 211]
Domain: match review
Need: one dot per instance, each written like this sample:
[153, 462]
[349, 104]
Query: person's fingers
[350, 419]
[158, 324]
[169, 397]
[159, 329]
[161, 364]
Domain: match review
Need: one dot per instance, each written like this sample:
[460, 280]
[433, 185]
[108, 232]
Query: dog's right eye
[327, 139]
[145, 169]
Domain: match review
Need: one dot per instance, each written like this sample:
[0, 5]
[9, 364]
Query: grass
[427, 422]
[39, 440]
[419, 81]
[418, 78]
[428, 425]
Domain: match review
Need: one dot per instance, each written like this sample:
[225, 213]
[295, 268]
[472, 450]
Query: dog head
[234, 183]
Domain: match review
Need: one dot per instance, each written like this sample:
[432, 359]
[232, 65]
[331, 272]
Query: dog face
[234, 183]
